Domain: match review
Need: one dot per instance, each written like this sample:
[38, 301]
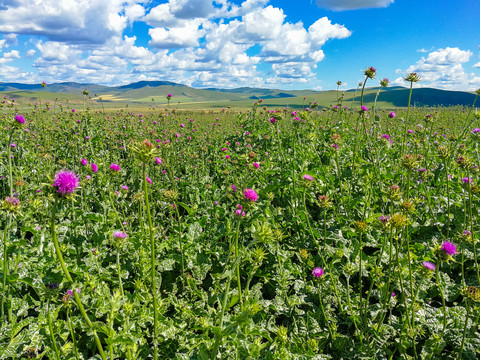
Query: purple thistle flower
[66, 182]
[256, 165]
[317, 272]
[449, 248]
[476, 130]
[234, 188]
[148, 179]
[119, 235]
[115, 167]
[94, 167]
[158, 160]
[307, 177]
[20, 119]
[84, 162]
[392, 115]
[364, 108]
[124, 187]
[428, 265]
[250, 195]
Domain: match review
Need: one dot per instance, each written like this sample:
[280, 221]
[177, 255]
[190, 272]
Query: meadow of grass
[338, 233]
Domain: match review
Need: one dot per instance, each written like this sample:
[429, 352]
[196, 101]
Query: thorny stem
[69, 278]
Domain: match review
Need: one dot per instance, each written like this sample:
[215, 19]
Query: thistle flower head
[384, 82]
[449, 248]
[446, 250]
[412, 77]
[94, 167]
[115, 167]
[11, 204]
[19, 119]
[250, 195]
[427, 265]
[119, 235]
[324, 201]
[66, 182]
[370, 72]
[317, 272]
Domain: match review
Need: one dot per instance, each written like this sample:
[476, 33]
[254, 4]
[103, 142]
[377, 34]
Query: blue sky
[285, 44]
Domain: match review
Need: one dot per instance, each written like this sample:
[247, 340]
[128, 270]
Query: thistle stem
[69, 278]
[152, 265]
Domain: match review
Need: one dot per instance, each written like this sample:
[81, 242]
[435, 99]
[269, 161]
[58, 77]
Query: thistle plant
[146, 153]
[65, 183]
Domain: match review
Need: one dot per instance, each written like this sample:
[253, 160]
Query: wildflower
[360, 226]
[11, 204]
[409, 161]
[307, 177]
[115, 167]
[256, 165]
[94, 167]
[370, 72]
[466, 180]
[158, 160]
[449, 248]
[392, 115]
[84, 162]
[317, 272]
[384, 82]
[19, 119]
[250, 195]
[324, 201]
[239, 211]
[66, 182]
[412, 77]
[476, 130]
[124, 187]
[398, 221]
[119, 235]
[472, 292]
[234, 188]
[429, 266]
[384, 221]
[148, 179]
[363, 108]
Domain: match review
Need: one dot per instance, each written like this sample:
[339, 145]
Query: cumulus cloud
[187, 35]
[341, 5]
[83, 21]
[477, 65]
[197, 42]
[443, 69]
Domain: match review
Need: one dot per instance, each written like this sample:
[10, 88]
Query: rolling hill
[153, 93]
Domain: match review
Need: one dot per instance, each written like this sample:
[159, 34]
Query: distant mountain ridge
[145, 92]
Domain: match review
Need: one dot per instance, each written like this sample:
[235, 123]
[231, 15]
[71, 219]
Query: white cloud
[83, 21]
[14, 54]
[448, 56]
[263, 24]
[477, 65]
[443, 69]
[201, 42]
[187, 35]
[341, 5]
[322, 30]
